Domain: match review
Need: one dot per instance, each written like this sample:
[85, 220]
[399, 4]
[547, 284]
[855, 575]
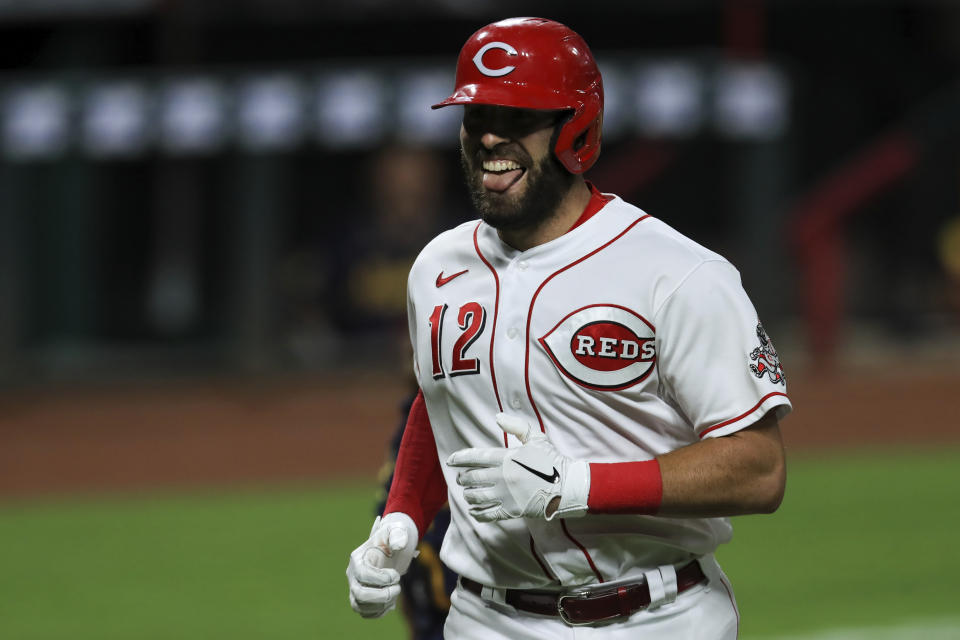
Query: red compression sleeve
[625, 487]
[418, 487]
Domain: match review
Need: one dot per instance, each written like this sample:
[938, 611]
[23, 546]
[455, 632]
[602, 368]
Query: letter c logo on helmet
[487, 71]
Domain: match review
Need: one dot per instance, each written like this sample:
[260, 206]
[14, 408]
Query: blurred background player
[402, 203]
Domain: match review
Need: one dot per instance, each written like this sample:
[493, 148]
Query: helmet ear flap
[578, 144]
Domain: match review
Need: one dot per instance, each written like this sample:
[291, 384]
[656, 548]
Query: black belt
[597, 605]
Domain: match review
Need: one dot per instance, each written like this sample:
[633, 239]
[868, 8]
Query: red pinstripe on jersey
[586, 554]
[533, 300]
[536, 556]
[496, 311]
[493, 375]
[526, 363]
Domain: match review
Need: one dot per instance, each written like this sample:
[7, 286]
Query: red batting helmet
[533, 63]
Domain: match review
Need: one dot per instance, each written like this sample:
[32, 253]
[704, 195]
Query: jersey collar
[597, 201]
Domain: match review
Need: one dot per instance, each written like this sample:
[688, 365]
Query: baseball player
[596, 392]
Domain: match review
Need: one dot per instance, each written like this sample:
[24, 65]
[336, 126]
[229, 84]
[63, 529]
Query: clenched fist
[376, 566]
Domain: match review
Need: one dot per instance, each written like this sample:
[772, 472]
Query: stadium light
[751, 101]
[350, 109]
[36, 122]
[193, 116]
[418, 122]
[669, 98]
[270, 113]
[116, 122]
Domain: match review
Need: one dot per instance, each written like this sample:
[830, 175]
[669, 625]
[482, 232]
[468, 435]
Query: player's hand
[376, 566]
[531, 481]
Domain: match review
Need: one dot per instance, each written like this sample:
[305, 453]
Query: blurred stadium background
[207, 210]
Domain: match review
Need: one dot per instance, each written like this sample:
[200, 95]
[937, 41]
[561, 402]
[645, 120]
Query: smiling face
[515, 180]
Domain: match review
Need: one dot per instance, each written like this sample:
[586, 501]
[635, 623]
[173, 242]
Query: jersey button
[515, 402]
[513, 332]
[523, 265]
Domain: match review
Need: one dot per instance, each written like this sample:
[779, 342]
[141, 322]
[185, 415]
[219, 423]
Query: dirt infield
[308, 429]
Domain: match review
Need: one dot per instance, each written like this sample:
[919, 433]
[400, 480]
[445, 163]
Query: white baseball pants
[707, 611]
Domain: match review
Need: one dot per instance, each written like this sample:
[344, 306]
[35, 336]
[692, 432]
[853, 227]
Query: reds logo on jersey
[602, 346]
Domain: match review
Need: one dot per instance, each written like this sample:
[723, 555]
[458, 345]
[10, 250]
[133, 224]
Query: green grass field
[861, 541]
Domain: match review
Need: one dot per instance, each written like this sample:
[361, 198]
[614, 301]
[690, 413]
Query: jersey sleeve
[418, 488]
[717, 363]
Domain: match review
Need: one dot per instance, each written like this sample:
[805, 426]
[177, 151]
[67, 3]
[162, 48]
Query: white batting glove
[376, 566]
[521, 482]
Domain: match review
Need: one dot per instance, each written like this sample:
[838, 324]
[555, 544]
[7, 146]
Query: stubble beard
[547, 182]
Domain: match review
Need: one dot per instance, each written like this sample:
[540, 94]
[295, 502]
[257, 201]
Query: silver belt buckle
[584, 594]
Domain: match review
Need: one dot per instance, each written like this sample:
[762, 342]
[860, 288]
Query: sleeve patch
[764, 360]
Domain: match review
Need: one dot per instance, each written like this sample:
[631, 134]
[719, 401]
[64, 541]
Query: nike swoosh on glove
[522, 482]
[375, 567]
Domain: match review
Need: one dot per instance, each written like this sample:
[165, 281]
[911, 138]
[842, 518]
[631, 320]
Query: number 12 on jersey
[471, 319]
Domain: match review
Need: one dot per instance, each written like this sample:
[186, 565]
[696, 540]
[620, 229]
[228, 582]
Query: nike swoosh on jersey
[552, 479]
[442, 281]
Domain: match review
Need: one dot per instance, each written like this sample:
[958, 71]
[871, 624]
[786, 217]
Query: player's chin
[494, 203]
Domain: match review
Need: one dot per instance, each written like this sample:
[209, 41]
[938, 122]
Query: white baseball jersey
[622, 339]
